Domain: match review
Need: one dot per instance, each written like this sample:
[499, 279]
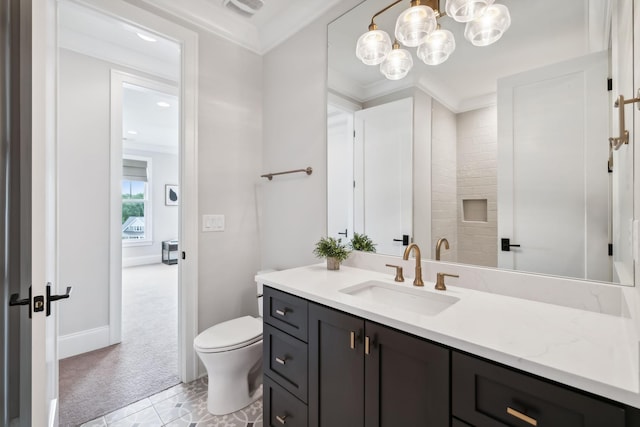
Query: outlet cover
[212, 223]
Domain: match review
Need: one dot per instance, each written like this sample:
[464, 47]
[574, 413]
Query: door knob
[404, 240]
[16, 301]
[506, 245]
[38, 301]
[51, 298]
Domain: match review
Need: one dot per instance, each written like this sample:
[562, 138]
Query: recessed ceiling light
[146, 38]
[132, 132]
[163, 104]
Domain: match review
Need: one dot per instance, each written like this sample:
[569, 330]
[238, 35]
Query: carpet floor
[144, 363]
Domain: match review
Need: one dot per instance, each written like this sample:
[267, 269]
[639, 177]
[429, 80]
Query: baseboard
[141, 260]
[82, 342]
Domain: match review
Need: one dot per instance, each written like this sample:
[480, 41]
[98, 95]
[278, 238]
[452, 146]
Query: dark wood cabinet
[486, 394]
[365, 374]
[327, 368]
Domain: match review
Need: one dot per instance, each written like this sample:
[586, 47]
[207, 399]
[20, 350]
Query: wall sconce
[418, 26]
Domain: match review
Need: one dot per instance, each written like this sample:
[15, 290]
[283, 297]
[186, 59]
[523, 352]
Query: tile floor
[182, 405]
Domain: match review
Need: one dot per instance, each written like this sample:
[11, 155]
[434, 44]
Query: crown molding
[258, 36]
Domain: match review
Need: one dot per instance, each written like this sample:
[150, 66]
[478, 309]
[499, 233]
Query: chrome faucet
[418, 279]
[440, 242]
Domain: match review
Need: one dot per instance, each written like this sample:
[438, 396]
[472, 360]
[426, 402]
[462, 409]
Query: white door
[383, 174]
[552, 180]
[339, 173]
[44, 358]
[622, 68]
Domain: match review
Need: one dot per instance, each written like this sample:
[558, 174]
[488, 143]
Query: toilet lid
[230, 335]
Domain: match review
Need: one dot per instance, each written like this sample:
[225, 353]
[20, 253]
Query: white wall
[294, 207]
[164, 170]
[229, 153]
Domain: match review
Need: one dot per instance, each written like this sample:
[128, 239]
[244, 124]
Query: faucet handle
[440, 286]
[399, 277]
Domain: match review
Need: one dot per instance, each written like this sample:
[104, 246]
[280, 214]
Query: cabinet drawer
[285, 361]
[286, 312]
[485, 394]
[282, 408]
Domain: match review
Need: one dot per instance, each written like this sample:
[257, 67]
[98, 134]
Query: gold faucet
[440, 242]
[418, 280]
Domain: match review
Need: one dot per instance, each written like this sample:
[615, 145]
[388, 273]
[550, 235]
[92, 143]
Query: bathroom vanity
[354, 348]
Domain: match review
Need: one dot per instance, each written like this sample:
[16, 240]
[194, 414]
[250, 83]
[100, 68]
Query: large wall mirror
[502, 150]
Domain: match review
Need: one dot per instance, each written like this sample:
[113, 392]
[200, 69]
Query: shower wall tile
[477, 179]
[443, 180]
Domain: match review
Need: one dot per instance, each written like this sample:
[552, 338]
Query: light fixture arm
[373, 25]
[433, 4]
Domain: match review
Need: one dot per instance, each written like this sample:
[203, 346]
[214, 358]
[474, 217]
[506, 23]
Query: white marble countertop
[590, 351]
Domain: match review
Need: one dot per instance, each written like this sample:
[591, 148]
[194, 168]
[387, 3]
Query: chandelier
[418, 27]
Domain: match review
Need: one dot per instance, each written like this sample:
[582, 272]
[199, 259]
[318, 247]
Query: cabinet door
[336, 369]
[406, 380]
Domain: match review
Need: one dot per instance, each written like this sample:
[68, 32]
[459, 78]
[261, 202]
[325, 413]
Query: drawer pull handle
[367, 345]
[519, 415]
[282, 312]
[352, 337]
[281, 361]
[281, 419]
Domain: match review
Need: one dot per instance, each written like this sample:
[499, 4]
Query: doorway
[95, 81]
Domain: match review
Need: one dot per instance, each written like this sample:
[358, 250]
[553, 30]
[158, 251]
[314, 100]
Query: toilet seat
[229, 335]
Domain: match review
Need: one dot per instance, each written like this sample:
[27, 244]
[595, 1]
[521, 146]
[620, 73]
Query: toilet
[231, 352]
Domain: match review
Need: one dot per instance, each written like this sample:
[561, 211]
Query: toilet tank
[259, 290]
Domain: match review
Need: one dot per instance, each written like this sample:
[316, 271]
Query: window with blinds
[136, 200]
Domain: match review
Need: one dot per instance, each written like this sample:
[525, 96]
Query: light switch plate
[212, 222]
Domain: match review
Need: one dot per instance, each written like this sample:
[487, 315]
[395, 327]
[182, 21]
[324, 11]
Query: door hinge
[610, 249]
[184, 255]
[609, 85]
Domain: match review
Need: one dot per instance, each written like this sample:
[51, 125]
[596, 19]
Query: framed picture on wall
[171, 195]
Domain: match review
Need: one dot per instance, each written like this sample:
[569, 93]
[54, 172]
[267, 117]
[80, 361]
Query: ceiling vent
[244, 7]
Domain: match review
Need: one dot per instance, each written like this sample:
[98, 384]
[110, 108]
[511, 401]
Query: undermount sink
[414, 300]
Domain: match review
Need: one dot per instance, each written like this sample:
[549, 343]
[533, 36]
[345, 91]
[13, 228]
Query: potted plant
[362, 242]
[333, 250]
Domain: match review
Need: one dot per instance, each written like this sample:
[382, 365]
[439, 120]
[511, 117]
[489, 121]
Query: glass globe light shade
[373, 46]
[466, 10]
[439, 45]
[489, 27]
[397, 64]
[414, 25]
